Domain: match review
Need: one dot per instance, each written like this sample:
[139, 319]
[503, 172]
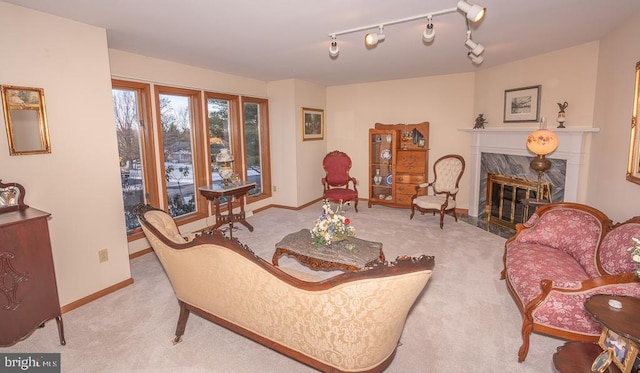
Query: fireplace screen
[511, 200]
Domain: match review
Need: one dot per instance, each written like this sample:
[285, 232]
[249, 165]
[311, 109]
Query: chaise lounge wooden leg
[182, 322]
[527, 328]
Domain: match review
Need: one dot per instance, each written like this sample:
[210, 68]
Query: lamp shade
[224, 156]
[542, 142]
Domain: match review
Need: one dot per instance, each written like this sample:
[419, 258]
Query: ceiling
[289, 39]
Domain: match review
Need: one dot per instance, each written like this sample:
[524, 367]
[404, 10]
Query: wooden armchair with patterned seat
[447, 172]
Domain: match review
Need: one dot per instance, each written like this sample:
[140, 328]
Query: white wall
[309, 154]
[609, 190]
[565, 75]
[445, 101]
[282, 126]
[78, 183]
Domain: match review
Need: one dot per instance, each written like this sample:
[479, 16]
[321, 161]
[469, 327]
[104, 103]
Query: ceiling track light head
[333, 48]
[477, 60]
[475, 48]
[474, 12]
[371, 39]
[429, 32]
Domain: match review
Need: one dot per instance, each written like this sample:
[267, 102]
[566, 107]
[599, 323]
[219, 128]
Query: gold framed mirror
[25, 118]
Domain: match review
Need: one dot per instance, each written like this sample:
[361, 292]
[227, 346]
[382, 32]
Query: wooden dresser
[28, 291]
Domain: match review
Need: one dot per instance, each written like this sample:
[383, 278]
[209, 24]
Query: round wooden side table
[577, 357]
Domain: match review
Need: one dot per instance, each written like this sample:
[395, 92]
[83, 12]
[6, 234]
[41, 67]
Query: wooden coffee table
[301, 246]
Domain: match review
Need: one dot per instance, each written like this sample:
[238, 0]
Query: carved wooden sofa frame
[213, 276]
[565, 253]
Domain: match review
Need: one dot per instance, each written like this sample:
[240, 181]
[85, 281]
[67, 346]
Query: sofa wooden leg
[527, 328]
[182, 322]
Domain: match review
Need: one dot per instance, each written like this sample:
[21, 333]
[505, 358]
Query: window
[169, 176]
[181, 154]
[135, 149]
[223, 129]
[256, 146]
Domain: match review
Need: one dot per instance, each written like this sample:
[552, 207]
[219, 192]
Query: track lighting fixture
[475, 59]
[473, 13]
[371, 40]
[429, 33]
[475, 48]
[333, 48]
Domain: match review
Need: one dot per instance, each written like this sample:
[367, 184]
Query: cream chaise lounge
[351, 322]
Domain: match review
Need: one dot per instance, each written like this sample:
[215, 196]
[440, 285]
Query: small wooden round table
[577, 357]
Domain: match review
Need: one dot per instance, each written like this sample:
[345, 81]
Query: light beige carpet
[464, 321]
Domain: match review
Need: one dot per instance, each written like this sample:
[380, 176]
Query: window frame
[234, 130]
[147, 140]
[265, 153]
[197, 136]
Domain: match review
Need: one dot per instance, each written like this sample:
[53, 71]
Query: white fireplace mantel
[573, 146]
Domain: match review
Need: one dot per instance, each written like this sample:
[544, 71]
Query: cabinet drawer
[410, 179]
[406, 189]
[403, 199]
[409, 161]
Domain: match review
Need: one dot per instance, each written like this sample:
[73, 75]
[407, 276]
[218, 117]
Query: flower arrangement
[332, 226]
[635, 254]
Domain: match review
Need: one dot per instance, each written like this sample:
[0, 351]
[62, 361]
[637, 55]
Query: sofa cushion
[529, 263]
[614, 250]
[575, 232]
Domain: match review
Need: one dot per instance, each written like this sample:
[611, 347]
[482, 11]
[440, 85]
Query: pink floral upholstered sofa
[565, 253]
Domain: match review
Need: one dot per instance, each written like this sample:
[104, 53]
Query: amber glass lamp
[541, 142]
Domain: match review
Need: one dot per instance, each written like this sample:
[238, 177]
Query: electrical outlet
[103, 255]
[274, 188]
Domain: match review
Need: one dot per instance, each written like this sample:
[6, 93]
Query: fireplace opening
[511, 200]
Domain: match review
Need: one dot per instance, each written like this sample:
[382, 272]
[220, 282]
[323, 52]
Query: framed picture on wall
[522, 104]
[312, 124]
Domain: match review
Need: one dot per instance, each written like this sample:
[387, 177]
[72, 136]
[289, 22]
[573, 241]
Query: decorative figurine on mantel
[561, 118]
[480, 121]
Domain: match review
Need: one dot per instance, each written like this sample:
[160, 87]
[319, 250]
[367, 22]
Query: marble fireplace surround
[573, 147]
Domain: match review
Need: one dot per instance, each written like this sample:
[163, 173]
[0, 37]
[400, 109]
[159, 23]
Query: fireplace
[503, 151]
[517, 168]
[511, 200]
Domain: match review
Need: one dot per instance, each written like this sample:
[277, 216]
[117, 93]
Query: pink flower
[347, 221]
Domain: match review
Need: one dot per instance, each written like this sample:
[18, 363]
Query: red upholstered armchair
[336, 182]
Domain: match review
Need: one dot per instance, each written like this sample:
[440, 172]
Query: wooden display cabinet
[382, 155]
[407, 166]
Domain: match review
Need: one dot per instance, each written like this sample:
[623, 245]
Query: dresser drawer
[410, 179]
[403, 199]
[405, 189]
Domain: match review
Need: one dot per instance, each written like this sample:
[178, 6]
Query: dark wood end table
[575, 357]
[232, 192]
[301, 246]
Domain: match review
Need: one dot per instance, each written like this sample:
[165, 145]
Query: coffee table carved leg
[276, 256]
